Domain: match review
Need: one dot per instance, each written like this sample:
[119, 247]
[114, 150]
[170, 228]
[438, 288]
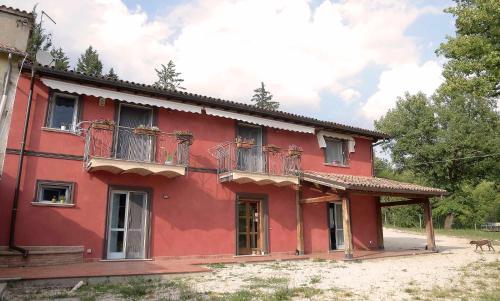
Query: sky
[343, 61]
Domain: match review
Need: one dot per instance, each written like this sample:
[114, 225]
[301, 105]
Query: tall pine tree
[89, 63]
[168, 77]
[61, 61]
[263, 98]
[39, 38]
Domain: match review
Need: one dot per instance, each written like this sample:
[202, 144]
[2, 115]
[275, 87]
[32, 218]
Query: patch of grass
[317, 259]
[315, 279]
[266, 283]
[307, 292]
[216, 266]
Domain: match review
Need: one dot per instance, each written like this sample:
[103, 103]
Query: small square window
[54, 192]
[336, 151]
[63, 111]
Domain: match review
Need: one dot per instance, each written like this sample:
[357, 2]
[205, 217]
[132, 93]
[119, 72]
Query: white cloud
[224, 48]
[395, 82]
[349, 95]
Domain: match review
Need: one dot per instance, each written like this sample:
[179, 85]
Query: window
[63, 112]
[336, 151]
[54, 192]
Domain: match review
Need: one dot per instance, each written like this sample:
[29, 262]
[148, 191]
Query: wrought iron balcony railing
[266, 160]
[128, 144]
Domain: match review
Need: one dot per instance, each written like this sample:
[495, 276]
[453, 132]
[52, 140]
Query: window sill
[45, 204]
[46, 129]
[336, 165]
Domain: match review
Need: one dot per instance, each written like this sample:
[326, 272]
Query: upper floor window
[63, 111]
[336, 151]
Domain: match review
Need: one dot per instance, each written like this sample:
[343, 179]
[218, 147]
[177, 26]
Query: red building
[120, 170]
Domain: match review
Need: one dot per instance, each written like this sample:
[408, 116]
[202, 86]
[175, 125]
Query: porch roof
[374, 185]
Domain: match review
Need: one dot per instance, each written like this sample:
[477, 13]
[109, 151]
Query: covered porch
[340, 189]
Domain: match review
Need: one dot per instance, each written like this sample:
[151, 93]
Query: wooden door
[249, 227]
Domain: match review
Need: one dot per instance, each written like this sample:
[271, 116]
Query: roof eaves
[208, 101]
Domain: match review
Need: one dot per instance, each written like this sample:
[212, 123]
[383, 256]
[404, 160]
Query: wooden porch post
[300, 221]
[429, 228]
[346, 219]
[380, 230]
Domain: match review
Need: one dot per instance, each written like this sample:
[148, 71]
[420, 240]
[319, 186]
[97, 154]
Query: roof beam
[321, 199]
[402, 203]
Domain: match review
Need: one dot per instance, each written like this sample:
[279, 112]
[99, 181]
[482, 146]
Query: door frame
[328, 223]
[263, 198]
[149, 224]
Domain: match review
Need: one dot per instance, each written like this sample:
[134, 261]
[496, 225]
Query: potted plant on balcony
[295, 151]
[169, 158]
[184, 137]
[271, 148]
[244, 142]
[144, 130]
[103, 124]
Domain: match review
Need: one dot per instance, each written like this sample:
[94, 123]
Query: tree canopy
[264, 99]
[112, 74]
[168, 77]
[39, 38]
[61, 61]
[451, 139]
[89, 63]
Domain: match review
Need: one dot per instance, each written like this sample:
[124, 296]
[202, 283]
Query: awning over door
[372, 185]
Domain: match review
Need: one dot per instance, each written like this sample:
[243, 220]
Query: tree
[89, 63]
[112, 75]
[473, 54]
[263, 98]
[168, 77]
[39, 38]
[452, 138]
[61, 61]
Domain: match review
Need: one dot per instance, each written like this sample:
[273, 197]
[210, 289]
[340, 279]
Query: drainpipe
[15, 201]
[3, 102]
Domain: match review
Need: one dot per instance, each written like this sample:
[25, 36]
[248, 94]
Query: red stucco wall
[191, 215]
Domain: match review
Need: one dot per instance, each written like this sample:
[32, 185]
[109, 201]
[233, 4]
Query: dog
[481, 243]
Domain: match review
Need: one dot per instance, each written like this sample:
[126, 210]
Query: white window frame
[42, 184]
[50, 114]
[345, 151]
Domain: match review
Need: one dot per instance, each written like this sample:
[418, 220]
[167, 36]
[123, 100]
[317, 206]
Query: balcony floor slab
[117, 166]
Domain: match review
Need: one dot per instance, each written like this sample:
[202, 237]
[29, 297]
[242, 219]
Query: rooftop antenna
[44, 13]
[44, 57]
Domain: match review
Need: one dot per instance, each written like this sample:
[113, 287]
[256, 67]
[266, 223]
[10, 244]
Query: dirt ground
[374, 279]
[457, 272]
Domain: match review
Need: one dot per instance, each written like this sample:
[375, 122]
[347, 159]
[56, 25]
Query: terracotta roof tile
[373, 184]
[10, 49]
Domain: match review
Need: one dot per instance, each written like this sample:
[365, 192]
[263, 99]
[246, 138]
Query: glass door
[127, 229]
[131, 146]
[117, 217]
[336, 226]
[339, 226]
[249, 227]
[251, 159]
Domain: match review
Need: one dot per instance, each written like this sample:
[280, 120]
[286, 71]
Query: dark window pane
[242, 240]
[63, 110]
[242, 225]
[54, 194]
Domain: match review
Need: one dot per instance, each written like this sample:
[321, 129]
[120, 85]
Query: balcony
[121, 150]
[258, 164]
